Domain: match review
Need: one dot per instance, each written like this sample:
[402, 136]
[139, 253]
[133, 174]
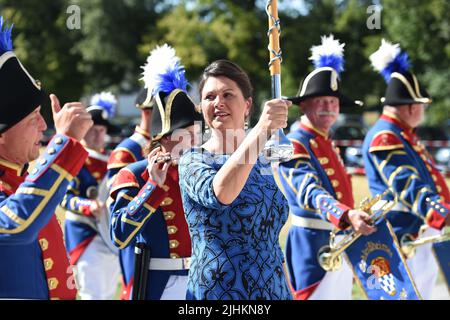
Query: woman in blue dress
[233, 206]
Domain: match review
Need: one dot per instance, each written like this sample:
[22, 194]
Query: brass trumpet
[409, 245]
[330, 256]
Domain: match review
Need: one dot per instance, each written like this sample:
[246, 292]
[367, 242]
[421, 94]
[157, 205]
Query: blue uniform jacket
[317, 187]
[25, 210]
[395, 158]
[80, 224]
[128, 151]
[153, 215]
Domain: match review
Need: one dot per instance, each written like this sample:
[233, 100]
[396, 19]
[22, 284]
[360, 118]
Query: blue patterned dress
[235, 248]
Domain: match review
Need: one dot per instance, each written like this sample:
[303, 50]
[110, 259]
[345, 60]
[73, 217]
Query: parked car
[348, 134]
[437, 141]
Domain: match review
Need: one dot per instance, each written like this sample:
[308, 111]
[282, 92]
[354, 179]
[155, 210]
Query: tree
[423, 30]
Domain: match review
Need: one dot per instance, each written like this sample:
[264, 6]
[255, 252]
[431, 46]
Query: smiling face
[322, 112]
[21, 143]
[95, 137]
[223, 104]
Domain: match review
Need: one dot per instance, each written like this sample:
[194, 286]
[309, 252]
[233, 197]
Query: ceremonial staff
[278, 148]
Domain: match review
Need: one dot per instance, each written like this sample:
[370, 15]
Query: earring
[246, 125]
[206, 133]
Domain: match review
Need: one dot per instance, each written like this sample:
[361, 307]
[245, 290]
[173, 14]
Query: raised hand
[158, 171]
[274, 115]
[72, 120]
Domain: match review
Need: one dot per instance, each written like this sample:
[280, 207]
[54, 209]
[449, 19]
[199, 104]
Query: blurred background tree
[116, 36]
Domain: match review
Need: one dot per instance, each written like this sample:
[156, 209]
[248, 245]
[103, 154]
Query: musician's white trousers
[423, 266]
[98, 272]
[176, 288]
[336, 285]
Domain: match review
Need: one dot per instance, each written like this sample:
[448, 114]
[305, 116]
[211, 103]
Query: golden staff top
[274, 37]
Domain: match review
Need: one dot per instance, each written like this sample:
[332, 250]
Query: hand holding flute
[158, 165]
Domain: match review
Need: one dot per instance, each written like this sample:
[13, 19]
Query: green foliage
[116, 36]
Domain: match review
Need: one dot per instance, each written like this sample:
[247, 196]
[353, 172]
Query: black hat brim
[344, 101]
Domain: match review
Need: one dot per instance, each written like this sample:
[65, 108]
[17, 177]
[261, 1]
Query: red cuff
[343, 222]
[72, 157]
[86, 210]
[436, 219]
[157, 196]
[339, 220]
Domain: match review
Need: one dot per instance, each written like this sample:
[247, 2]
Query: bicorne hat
[164, 78]
[21, 94]
[403, 87]
[328, 60]
[102, 108]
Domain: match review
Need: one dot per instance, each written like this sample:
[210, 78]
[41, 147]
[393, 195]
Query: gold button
[169, 215]
[51, 151]
[167, 202]
[324, 160]
[96, 175]
[58, 141]
[335, 183]
[48, 264]
[439, 189]
[52, 283]
[313, 143]
[174, 256]
[43, 243]
[43, 162]
[330, 172]
[165, 188]
[172, 229]
[173, 244]
[434, 178]
[339, 195]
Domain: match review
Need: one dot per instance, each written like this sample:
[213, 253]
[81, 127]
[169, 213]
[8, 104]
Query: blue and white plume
[105, 100]
[388, 59]
[163, 71]
[6, 43]
[329, 54]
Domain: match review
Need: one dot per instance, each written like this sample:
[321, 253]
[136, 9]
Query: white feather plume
[104, 96]
[106, 101]
[160, 60]
[387, 52]
[329, 46]
[330, 53]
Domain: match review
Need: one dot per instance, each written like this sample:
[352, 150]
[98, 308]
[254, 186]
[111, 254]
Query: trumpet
[330, 256]
[409, 245]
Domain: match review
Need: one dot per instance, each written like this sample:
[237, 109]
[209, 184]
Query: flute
[163, 159]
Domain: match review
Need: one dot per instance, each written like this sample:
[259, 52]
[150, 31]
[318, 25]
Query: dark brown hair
[230, 70]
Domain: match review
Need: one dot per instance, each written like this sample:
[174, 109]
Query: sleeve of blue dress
[28, 210]
[196, 179]
[301, 179]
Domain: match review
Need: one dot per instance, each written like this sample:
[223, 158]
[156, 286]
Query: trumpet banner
[379, 267]
[442, 253]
